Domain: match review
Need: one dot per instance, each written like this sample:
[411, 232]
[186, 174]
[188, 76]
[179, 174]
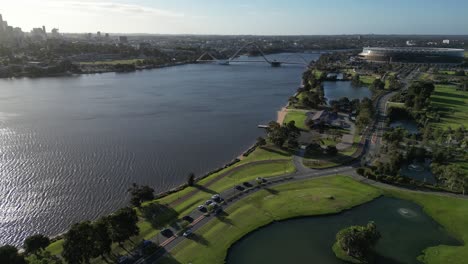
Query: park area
[452, 105]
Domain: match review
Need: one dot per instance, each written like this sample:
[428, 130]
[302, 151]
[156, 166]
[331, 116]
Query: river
[71, 146]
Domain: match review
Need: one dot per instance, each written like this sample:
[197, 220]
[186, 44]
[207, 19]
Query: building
[446, 41]
[410, 43]
[412, 55]
[123, 39]
[323, 116]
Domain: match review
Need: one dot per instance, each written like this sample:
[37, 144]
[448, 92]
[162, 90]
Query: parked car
[239, 188]
[260, 180]
[247, 184]
[202, 208]
[188, 218]
[187, 233]
[208, 202]
[216, 198]
[167, 232]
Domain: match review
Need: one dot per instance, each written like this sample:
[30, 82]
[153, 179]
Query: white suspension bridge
[208, 57]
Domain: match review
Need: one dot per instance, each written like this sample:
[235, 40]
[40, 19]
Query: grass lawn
[466, 54]
[304, 198]
[367, 79]
[452, 213]
[297, 116]
[425, 76]
[111, 62]
[453, 105]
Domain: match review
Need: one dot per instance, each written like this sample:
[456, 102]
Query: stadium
[413, 55]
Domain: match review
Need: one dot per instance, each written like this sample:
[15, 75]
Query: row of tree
[87, 240]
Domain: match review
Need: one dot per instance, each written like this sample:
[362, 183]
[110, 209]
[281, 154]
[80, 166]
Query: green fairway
[304, 198]
[299, 117]
[452, 214]
[367, 80]
[453, 106]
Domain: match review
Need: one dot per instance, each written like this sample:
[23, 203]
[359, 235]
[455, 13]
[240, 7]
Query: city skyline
[296, 17]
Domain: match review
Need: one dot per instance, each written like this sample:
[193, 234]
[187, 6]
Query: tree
[9, 254]
[123, 225]
[102, 239]
[358, 241]
[261, 141]
[377, 84]
[35, 243]
[331, 150]
[191, 179]
[356, 80]
[277, 134]
[78, 245]
[140, 194]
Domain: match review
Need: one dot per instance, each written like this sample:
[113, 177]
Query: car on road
[217, 198]
[187, 218]
[208, 202]
[202, 208]
[260, 179]
[247, 184]
[167, 232]
[187, 233]
[239, 188]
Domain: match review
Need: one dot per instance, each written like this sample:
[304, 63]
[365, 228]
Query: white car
[187, 233]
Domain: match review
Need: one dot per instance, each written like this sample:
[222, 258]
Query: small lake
[418, 171]
[407, 124]
[339, 89]
[406, 231]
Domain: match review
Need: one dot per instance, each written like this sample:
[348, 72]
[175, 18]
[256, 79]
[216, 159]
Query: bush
[361, 171]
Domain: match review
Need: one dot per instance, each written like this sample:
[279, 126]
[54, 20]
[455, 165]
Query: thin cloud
[94, 6]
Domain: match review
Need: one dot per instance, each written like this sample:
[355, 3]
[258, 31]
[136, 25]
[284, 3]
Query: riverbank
[85, 68]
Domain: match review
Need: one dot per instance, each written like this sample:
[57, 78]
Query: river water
[71, 146]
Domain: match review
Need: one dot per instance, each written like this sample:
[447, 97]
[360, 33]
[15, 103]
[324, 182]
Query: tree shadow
[158, 215]
[271, 191]
[199, 239]
[162, 256]
[286, 152]
[223, 217]
[168, 259]
[204, 189]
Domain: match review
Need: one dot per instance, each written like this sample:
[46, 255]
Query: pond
[339, 89]
[407, 124]
[406, 231]
[419, 171]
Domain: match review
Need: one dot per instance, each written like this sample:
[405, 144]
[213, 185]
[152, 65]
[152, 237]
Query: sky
[237, 17]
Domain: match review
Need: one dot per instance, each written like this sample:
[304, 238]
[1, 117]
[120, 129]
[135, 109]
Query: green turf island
[266, 206]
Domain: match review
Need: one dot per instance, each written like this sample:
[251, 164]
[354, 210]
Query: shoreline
[70, 74]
